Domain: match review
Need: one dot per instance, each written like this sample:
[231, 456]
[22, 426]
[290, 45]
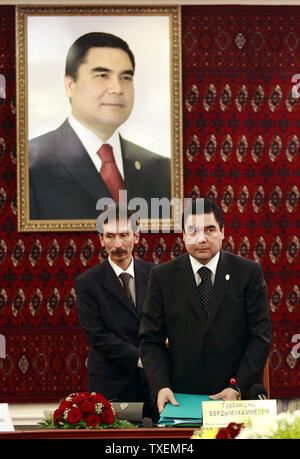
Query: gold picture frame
[26, 19]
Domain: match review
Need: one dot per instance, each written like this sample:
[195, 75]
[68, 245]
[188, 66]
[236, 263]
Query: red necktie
[109, 171]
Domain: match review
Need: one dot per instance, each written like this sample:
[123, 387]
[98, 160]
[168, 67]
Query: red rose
[106, 404]
[79, 397]
[58, 416]
[222, 434]
[98, 398]
[65, 404]
[92, 420]
[87, 407]
[234, 429]
[229, 432]
[74, 415]
[107, 417]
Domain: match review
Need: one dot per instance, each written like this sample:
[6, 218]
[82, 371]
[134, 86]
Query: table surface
[140, 433]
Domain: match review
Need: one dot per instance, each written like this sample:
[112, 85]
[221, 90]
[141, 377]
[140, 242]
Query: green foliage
[48, 423]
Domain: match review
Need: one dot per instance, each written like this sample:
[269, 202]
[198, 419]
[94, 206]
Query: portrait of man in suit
[110, 297]
[212, 307]
[85, 159]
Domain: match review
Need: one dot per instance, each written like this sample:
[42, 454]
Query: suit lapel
[136, 172]
[76, 160]
[141, 281]
[187, 279]
[221, 285]
[133, 177]
[111, 283]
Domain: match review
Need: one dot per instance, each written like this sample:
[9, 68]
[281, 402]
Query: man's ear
[69, 86]
[137, 236]
[222, 233]
[101, 239]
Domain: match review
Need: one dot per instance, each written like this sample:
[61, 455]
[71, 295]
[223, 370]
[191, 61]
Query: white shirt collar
[212, 265]
[118, 270]
[92, 143]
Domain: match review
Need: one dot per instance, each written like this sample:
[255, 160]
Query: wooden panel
[142, 433]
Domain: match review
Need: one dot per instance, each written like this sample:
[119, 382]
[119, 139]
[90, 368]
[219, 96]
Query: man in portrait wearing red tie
[86, 158]
[110, 297]
[212, 306]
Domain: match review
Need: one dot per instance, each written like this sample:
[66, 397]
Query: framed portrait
[73, 92]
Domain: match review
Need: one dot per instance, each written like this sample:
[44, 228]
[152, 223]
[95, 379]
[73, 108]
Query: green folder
[187, 413]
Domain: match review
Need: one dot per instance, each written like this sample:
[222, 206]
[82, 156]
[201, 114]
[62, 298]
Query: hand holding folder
[188, 412]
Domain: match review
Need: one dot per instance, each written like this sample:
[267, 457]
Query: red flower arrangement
[84, 410]
[229, 432]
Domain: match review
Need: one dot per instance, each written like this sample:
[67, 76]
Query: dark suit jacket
[64, 183]
[111, 325]
[203, 355]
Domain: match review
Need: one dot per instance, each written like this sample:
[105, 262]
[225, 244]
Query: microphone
[234, 386]
[258, 391]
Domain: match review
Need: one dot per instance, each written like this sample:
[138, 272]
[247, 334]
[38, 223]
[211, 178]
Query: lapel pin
[227, 277]
[137, 165]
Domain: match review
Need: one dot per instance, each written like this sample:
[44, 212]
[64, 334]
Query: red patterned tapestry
[240, 146]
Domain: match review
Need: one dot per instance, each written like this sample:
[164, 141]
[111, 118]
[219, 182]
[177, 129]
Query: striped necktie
[125, 278]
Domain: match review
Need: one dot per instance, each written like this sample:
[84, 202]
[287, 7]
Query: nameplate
[221, 413]
[6, 424]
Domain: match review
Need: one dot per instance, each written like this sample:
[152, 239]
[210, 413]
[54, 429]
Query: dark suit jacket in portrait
[203, 355]
[64, 183]
[111, 325]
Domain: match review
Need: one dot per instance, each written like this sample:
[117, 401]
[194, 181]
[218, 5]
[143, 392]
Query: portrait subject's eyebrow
[104, 69]
[197, 228]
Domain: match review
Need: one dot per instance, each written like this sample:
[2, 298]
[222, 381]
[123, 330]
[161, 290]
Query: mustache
[119, 251]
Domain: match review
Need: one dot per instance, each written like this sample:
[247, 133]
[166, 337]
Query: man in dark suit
[218, 327]
[110, 312]
[66, 178]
